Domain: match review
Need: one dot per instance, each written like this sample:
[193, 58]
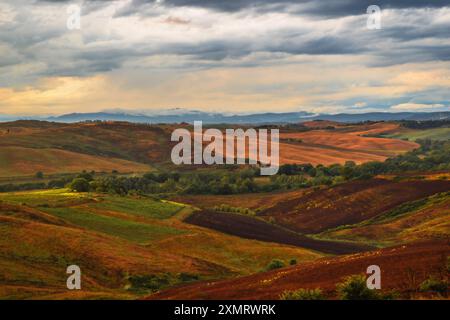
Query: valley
[346, 196]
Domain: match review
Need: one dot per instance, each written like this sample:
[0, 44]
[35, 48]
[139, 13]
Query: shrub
[187, 277]
[275, 264]
[57, 183]
[433, 284]
[148, 282]
[303, 294]
[293, 262]
[79, 185]
[355, 288]
[85, 175]
[39, 175]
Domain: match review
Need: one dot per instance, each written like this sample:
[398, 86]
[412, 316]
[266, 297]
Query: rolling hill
[427, 218]
[30, 146]
[349, 203]
[178, 115]
[133, 245]
[125, 246]
[20, 161]
[403, 268]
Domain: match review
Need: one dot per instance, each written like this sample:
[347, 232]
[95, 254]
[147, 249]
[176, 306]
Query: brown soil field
[349, 203]
[403, 268]
[325, 154]
[150, 144]
[256, 229]
[374, 129]
[346, 143]
[334, 146]
[19, 161]
[136, 142]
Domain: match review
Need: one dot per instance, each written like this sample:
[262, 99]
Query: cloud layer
[238, 55]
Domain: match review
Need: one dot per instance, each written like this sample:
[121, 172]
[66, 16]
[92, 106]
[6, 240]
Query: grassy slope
[43, 232]
[411, 134]
[248, 200]
[403, 268]
[427, 218]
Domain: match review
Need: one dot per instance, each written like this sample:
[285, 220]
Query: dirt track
[253, 228]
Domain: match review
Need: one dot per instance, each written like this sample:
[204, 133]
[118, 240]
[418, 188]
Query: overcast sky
[225, 56]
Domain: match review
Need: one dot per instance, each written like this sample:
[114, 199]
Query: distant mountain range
[180, 115]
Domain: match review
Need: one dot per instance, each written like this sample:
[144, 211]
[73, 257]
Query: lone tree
[79, 185]
[39, 175]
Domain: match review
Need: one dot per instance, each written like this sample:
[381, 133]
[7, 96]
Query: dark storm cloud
[397, 42]
[411, 54]
[336, 8]
[426, 30]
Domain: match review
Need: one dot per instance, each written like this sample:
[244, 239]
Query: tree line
[430, 156]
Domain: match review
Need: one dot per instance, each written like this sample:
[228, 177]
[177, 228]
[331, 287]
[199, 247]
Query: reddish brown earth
[346, 143]
[137, 142]
[257, 229]
[150, 144]
[403, 268]
[349, 203]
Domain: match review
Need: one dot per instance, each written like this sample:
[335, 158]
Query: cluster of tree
[52, 184]
[431, 155]
[10, 187]
[240, 210]
[62, 182]
[426, 124]
[184, 183]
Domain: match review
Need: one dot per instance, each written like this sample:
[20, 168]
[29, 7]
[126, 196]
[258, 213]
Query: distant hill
[383, 116]
[181, 115]
[188, 116]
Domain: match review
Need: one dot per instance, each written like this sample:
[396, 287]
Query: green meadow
[413, 135]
